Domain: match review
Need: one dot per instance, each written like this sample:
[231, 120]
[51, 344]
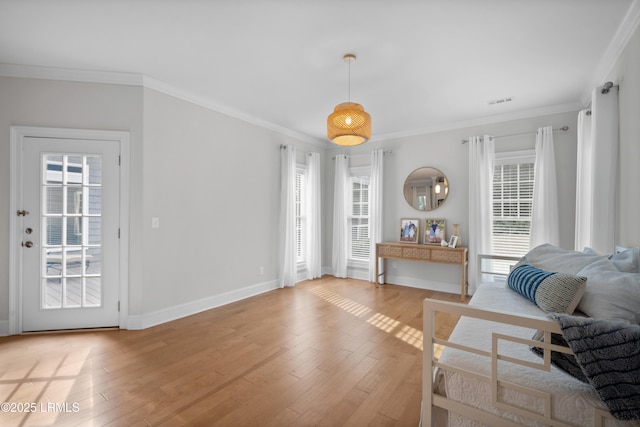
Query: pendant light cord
[349, 84]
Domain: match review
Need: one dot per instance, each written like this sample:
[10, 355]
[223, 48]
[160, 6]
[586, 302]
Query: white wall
[213, 181]
[47, 103]
[445, 151]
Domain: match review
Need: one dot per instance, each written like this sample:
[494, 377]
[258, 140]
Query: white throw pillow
[552, 258]
[628, 260]
[610, 293]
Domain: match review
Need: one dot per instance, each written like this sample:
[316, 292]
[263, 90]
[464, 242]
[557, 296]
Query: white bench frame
[432, 400]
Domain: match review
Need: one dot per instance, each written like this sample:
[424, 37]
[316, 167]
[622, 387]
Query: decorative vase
[456, 232]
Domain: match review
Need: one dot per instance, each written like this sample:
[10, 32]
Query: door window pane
[93, 291]
[52, 293]
[53, 169]
[94, 231]
[53, 200]
[95, 200]
[73, 292]
[53, 231]
[93, 170]
[73, 170]
[93, 261]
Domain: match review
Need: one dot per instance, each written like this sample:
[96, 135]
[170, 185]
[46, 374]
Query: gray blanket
[608, 353]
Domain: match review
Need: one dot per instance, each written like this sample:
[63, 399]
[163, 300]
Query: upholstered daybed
[496, 368]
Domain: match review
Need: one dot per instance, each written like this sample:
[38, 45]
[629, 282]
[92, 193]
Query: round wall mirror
[426, 189]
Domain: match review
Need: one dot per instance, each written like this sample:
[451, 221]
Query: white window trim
[515, 157]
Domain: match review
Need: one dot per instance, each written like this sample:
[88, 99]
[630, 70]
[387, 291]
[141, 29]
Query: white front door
[69, 231]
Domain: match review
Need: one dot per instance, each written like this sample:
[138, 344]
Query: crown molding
[141, 80]
[66, 74]
[627, 28]
[487, 120]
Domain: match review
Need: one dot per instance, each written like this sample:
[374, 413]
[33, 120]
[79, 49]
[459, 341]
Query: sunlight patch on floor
[385, 323]
[32, 382]
[339, 301]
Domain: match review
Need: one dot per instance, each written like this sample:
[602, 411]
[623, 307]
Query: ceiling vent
[500, 101]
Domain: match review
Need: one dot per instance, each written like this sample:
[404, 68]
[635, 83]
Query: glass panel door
[70, 233]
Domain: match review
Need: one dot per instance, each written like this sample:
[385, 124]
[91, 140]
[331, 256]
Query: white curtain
[545, 227]
[376, 184]
[597, 174]
[340, 207]
[584, 171]
[481, 165]
[287, 248]
[313, 227]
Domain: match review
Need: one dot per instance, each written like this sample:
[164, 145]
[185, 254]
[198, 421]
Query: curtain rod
[605, 90]
[563, 128]
[607, 86]
[361, 155]
[308, 153]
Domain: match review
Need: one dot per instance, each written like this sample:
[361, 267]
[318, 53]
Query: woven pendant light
[349, 124]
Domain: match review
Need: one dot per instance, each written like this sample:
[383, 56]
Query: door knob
[27, 244]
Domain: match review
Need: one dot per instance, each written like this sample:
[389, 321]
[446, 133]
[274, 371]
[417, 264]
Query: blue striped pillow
[552, 292]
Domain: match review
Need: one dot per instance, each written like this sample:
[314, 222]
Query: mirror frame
[432, 177]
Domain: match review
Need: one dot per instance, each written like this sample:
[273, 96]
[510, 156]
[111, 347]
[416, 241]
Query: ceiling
[422, 65]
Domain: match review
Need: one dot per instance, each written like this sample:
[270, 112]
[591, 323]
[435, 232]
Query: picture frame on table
[409, 230]
[435, 231]
[453, 241]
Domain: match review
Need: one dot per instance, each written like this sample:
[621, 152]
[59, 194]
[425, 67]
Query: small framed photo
[453, 241]
[435, 231]
[409, 230]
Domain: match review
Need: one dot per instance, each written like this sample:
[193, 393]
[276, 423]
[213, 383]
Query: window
[359, 219]
[512, 202]
[300, 213]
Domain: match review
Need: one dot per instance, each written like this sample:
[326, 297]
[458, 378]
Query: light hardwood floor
[330, 352]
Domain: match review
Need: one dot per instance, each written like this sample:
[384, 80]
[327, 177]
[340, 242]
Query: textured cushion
[564, 361]
[552, 292]
[609, 354]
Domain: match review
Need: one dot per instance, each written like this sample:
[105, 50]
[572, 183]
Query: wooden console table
[423, 253]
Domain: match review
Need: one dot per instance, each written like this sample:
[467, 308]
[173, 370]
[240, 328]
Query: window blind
[512, 207]
[359, 220]
[300, 216]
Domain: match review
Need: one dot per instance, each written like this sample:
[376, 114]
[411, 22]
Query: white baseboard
[352, 272]
[432, 285]
[176, 312]
[4, 328]
[412, 282]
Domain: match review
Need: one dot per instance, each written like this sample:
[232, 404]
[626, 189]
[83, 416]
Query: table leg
[463, 289]
[384, 271]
